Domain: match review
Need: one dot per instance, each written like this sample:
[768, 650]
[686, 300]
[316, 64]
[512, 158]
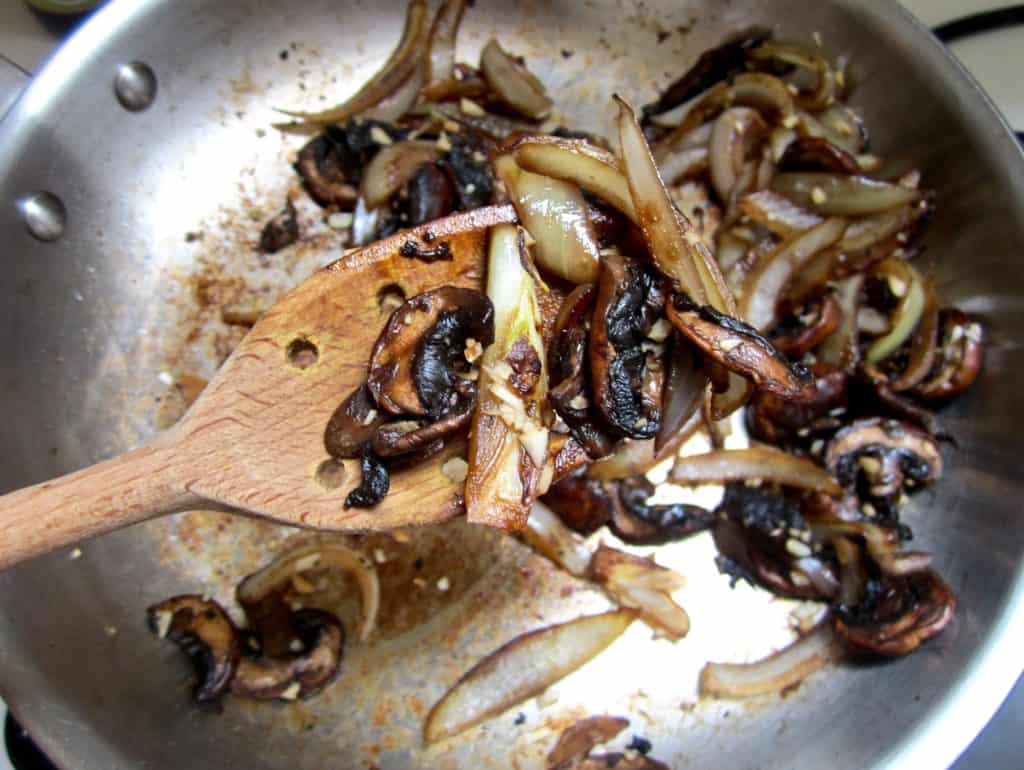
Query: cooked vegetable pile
[741, 249]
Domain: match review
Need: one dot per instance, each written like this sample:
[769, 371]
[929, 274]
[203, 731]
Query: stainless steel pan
[163, 208]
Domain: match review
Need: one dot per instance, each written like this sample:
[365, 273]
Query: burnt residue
[282, 230]
[442, 252]
[375, 482]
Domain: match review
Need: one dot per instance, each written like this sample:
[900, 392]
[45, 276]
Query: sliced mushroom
[638, 522]
[568, 373]
[431, 194]
[616, 761]
[281, 231]
[580, 738]
[753, 536]
[958, 359]
[324, 165]
[629, 300]
[813, 153]
[883, 456]
[406, 436]
[781, 422]
[582, 504]
[468, 160]
[802, 331]
[204, 632]
[739, 348]
[415, 362]
[353, 423]
[896, 615]
[319, 640]
[374, 484]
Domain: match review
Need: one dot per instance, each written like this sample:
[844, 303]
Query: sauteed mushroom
[813, 153]
[629, 301]
[205, 633]
[414, 366]
[282, 230]
[802, 331]
[353, 423]
[407, 436]
[324, 167]
[883, 456]
[374, 484]
[431, 194]
[781, 422]
[958, 358]
[636, 521]
[312, 663]
[582, 504]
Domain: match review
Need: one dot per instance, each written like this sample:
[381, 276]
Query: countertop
[995, 59]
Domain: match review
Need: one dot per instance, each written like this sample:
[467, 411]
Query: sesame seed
[455, 469]
[291, 692]
[868, 509]
[729, 344]
[369, 418]
[442, 143]
[444, 584]
[379, 136]
[76, 553]
[790, 121]
[973, 332]
[379, 556]
[470, 188]
[340, 220]
[897, 286]
[797, 548]
[818, 195]
[163, 623]
[295, 645]
[579, 402]
[469, 107]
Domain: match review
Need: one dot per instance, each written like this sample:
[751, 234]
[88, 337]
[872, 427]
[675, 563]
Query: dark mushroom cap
[630, 299]
[897, 614]
[780, 421]
[324, 166]
[638, 522]
[353, 423]
[431, 194]
[582, 504]
[739, 348]
[320, 639]
[374, 484]
[405, 437]
[204, 632]
[413, 369]
[883, 456]
[798, 335]
[282, 230]
[958, 359]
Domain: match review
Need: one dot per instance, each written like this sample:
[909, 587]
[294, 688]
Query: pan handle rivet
[44, 215]
[135, 86]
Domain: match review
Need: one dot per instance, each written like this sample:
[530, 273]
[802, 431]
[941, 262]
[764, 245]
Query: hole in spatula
[302, 353]
[330, 474]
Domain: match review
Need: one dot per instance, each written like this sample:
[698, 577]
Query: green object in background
[63, 6]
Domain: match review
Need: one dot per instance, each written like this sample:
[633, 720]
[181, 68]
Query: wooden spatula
[254, 440]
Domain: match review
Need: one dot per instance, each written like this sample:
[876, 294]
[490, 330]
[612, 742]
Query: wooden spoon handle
[132, 487]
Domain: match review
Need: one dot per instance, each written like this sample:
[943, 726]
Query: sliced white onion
[391, 169]
[441, 56]
[515, 85]
[907, 313]
[841, 348]
[278, 574]
[681, 164]
[778, 213]
[547, 535]
[554, 213]
[733, 131]
[765, 463]
[840, 195]
[396, 71]
[765, 283]
[778, 672]
[521, 669]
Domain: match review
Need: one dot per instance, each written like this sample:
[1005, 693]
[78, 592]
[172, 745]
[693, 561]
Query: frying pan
[164, 206]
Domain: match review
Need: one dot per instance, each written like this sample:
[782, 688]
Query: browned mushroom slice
[617, 761]
[629, 301]
[958, 359]
[431, 194]
[882, 456]
[282, 230]
[416, 360]
[374, 483]
[714, 65]
[780, 421]
[312, 663]
[567, 359]
[761, 538]
[204, 632]
[805, 329]
[638, 522]
[407, 436]
[897, 614]
[582, 504]
[579, 739]
[353, 423]
[811, 153]
[322, 164]
[739, 348]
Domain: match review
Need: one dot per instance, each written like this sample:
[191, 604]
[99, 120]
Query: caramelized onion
[555, 214]
[521, 669]
[923, 345]
[397, 70]
[441, 53]
[734, 131]
[515, 85]
[908, 311]
[777, 213]
[807, 58]
[392, 168]
[841, 349]
[764, 463]
[777, 673]
[840, 195]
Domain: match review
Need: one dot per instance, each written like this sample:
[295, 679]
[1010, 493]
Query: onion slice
[777, 213]
[841, 349]
[764, 463]
[441, 54]
[521, 669]
[923, 346]
[778, 672]
[392, 168]
[734, 130]
[908, 312]
[677, 248]
[554, 213]
[397, 70]
[547, 535]
[764, 286]
[807, 58]
[841, 195]
[580, 163]
[515, 85]
[278, 574]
